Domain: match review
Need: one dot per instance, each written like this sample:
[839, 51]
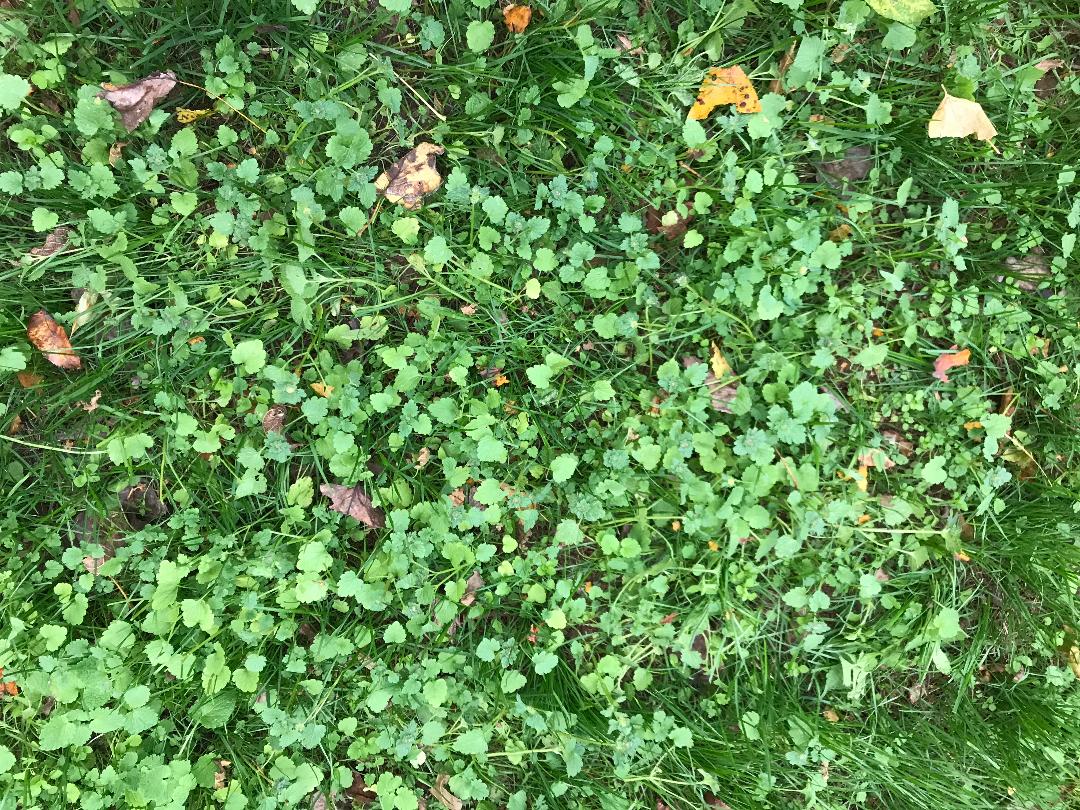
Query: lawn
[657, 404]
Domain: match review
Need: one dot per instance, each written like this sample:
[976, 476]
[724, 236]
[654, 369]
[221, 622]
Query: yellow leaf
[725, 86]
[718, 363]
[958, 118]
[322, 389]
[411, 178]
[1074, 660]
[186, 116]
[517, 18]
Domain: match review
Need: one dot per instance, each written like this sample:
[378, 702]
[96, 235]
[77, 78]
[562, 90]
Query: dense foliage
[661, 490]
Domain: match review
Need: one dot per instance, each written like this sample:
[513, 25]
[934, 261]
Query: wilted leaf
[412, 178]
[355, 503]
[51, 339]
[441, 793]
[322, 389]
[115, 151]
[137, 100]
[474, 583]
[54, 242]
[1074, 660]
[958, 118]
[28, 379]
[725, 86]
[950, 359]
[720, 395]
[853, 166]
[92, 405]
[221, 775]
[274, 419]
[142, 505]
[517, 17]
[910, 12]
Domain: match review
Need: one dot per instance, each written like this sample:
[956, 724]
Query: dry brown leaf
[777, 85]
[855, 165]
[115, 151]
[948, 360]
[142, 505]
[221, 776]
[137, 100]
[28, 379]
[958, 118]
[54, 242]
[1049, 64]
[441, 793]
[422, 458]
[725, 86]
[411, 178]
[720, 395]
[51, 339]
[627, 47]
[355, 503]
[517, 17]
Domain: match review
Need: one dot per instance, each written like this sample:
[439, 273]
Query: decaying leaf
[948, 360]
[958, 118]
[1074, 659]
[627, 47]
[28, 379]
[8, 687]
[54, 243]
[51, 339]
[355, 503]
[137, 100]
[441, 793]
[725, 86]
[411, 178]
[672, 225]
[142, 505]
[853, 166]
[721, 393]
[358, 792]
[92, 405]
[186, 116]
[517, 17]
[322, 389]
[221, 775]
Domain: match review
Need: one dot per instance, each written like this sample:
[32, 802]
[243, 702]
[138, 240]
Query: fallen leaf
[8, 687]
[717, 362]
[672, 224]
[1049, 64]
[777, 85]
[221, 776]
[973, 425]
[468, 309]
[725, 86]
[322, 389]
[411, 178]
[355, 503]
[320, 801]
[142, 505]
[54, 243]
[137, 100]
[422, 458]
[92, 405]
[51, 339]
[28, 379]
[958, 118]
[950, 359]
[840, 232]
[720, 395]
[627, 47]
[83, 308]
[517, 19]
[871, 457]
[1074, 660]
[909, 12]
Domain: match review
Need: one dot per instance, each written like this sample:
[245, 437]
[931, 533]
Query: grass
[594, 588]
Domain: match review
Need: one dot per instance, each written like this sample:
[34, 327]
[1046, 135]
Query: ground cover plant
[618, 404]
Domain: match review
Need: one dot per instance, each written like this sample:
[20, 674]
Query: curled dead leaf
[474, 583]
[725, 86]
[355, 503]
[92, 405]
[28, 379]
[721, 395]
[948, 360]
[274, 419]
[137, 100]
[717, 362]
[412, 177]
[517, 17]
[441, 793]
[221, 775]
[54, 243]
[627, 47]
[115, 152]
[958, 118]
[142, 505]
[83, 313]
[1074, 659]
[51, 339]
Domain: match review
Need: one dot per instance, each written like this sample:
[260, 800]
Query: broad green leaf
[911, 12]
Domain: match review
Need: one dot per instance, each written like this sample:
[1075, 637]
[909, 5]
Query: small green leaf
[479, 35]
[910, 12]
[250, 354]
[128, 448]
[562, 467]
[13, 89]
[42, 219]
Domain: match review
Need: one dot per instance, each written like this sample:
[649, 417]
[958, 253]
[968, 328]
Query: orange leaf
[949, 360]
[51, 339]
[725, 86]
[28, 379]
[517, 18]
[322, 389]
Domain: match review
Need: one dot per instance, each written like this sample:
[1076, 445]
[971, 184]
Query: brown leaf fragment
[142, 505]
[777, 85]
[274, 419]
[948, 360]
[137, 100]
[28, 379]
[671, 225]
[54, 243]
[441, 793]
[721, 393]
[411, 178]
[517, 17]
[51, 339]
[627, 47]
[1074, 660]
[115, 152]
[359, 792]
[355, 503]
[221, 775]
